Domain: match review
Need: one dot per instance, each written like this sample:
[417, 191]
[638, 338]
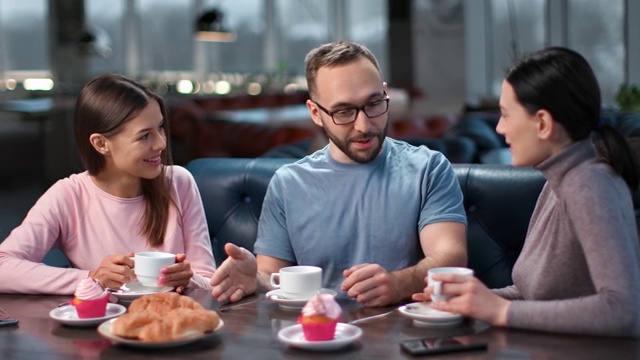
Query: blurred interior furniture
[56, 156]
[250, 126]
[480, 126]
[242, 126]
[498, 201]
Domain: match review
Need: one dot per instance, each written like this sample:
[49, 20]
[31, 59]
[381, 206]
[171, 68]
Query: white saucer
[67, 315]
[134, 290]
[278, 296]
[345, 335]
[424, 316]
[105, 330]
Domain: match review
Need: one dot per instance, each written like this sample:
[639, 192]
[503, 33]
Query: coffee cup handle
[272, 280]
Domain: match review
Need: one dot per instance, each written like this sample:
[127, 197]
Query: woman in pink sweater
[129, 199]
[579, 269]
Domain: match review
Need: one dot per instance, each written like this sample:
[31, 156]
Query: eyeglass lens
[372, 109]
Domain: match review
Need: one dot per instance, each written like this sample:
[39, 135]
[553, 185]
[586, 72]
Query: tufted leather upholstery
[498, 200]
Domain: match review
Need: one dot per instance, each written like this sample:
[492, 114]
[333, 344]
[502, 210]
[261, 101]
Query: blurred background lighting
[223, 87]
[254, 88]
[184, 87]
[37, 84]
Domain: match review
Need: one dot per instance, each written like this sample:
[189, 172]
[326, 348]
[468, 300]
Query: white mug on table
[297, 282]
[437, 295]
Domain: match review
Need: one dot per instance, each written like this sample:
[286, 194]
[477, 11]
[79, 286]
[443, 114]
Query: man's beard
[359, 157]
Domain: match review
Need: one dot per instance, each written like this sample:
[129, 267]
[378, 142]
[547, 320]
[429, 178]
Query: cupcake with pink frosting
[319, 318]
[90, 299]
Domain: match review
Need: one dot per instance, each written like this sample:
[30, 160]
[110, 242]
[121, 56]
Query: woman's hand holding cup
[114, 271]
[177, 275]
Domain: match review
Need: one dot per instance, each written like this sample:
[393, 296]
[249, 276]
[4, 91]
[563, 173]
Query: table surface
[250, 332]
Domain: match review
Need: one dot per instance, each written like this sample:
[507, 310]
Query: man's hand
[235, 278]
[371, 285]
[114, 271]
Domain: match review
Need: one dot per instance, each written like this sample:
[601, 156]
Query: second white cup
[298, 282]
[437, 295]
[148, 265]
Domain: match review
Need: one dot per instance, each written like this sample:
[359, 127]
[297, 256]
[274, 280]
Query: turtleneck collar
[557, 166]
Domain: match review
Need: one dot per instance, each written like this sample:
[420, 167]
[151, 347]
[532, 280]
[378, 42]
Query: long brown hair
[106, 103]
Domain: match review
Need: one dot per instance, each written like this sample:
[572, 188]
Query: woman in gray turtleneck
[579, 269]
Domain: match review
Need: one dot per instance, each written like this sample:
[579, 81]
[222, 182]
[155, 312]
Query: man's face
[350, 86]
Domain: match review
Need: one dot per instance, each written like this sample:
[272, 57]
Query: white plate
[345, 335]
[134, 290]
[424, 316]
[105, 330]
[278, 296]
[69, 316]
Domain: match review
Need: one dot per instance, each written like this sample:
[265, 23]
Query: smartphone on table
[438, 346]
[7, 319]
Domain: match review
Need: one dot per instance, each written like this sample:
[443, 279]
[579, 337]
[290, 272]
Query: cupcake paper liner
[319, 331]
[87, 309]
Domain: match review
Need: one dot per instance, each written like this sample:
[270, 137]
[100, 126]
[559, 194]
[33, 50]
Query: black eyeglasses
[348, 115]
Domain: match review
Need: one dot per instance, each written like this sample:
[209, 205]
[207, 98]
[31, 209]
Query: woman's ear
[99, 142]
[546, 124]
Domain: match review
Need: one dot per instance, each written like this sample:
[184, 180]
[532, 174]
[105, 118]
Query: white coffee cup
[147, 266]
[297, 282]
[437, 295]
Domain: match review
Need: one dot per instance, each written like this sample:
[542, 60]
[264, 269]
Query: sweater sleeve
[509, 293]
[601, 216]
[195, 231]
[21, 254]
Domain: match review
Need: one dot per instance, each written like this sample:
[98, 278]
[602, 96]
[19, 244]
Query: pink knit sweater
[87, 224]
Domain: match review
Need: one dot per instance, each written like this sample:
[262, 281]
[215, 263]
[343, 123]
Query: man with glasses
[374, 213]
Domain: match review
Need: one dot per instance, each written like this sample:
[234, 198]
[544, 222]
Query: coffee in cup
[437, 295]
[147, 266]
[297, 282]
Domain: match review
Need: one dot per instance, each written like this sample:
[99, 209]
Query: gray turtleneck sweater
[579, 269]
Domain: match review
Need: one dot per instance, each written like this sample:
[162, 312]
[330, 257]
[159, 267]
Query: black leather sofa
[498, 200]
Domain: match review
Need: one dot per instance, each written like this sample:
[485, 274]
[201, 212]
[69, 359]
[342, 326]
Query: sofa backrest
[498, 200]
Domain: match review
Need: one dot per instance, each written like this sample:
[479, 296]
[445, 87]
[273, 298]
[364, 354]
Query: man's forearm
[411, 279]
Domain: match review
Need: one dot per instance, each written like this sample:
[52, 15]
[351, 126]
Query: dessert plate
[134, 290]
[278, 296]
[345, 335]
[105, 330]
[67, 315]
[424, 316]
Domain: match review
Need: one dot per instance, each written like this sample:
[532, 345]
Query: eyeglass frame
[357, 108]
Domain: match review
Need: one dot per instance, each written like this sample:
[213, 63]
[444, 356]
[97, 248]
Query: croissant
[162, 303]
[164, 317]
[179, 324]
[129, 325]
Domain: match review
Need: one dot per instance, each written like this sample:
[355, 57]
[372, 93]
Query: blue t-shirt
[320, 212]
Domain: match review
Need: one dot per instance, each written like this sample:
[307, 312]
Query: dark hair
[560, 81]
[333, 54]
[106, 103]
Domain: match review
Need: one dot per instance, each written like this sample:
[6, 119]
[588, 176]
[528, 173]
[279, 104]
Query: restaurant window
[24, 43]
[103, 19]
[518, 27]
[596, 30]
